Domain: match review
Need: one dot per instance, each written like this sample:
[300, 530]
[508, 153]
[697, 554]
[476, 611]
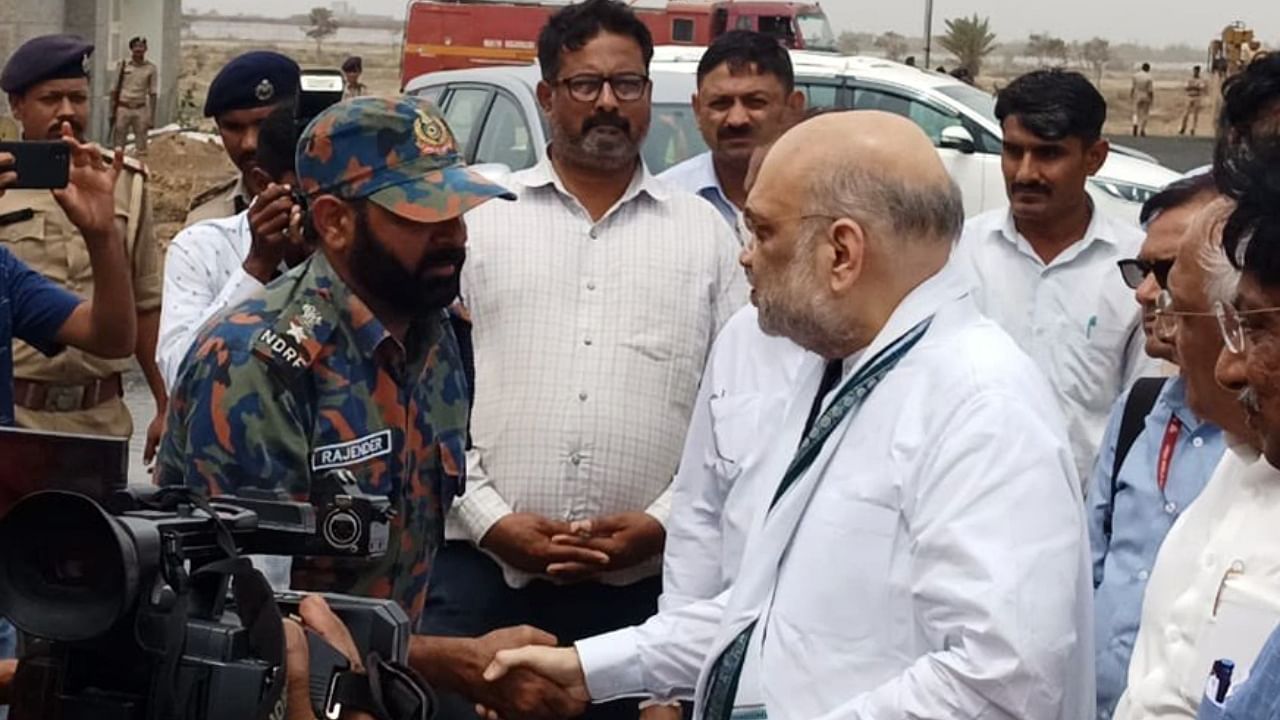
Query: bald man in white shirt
[922, 553]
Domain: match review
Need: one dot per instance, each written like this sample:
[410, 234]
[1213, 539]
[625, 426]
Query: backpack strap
[1142, 398]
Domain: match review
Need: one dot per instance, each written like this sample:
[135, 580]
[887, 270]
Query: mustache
[1035, 188]
[598, 120]
[446, 257]
[739, 132]
[1249, 400]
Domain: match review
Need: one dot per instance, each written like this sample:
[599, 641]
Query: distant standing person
[1143, 94]
[352, 67]
[1197, 88]
[134, 99]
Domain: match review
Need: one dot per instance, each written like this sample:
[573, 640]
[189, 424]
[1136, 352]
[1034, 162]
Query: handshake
[527, 677]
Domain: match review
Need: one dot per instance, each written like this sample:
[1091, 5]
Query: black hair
[278, 141]
[1054, 105]
[1196, 68]
[353, 64]
[744, 48]
[1247, 97]
[573, 26]
[1175, 195]
[139, 40]
[1251, 236]
[1146, 67]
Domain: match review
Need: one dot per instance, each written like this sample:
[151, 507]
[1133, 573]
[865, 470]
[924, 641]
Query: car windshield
[673, 137]
[980, 102]
[816, 31]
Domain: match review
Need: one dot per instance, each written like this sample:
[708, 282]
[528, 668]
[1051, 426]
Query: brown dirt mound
[182, 167]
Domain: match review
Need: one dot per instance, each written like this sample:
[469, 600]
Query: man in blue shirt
[1134, 503]
[746, 98]
[40, 312]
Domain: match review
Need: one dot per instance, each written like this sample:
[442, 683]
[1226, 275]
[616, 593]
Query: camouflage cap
[397, 152]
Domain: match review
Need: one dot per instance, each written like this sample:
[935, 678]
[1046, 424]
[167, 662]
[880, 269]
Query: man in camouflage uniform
[240, 97]
[48, 86]
[348, 363]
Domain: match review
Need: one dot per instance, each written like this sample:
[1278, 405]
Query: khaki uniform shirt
[223, 200]
[355, 91]
[52, 246]
[1144, 89]
[1197, 88]
[138, 83]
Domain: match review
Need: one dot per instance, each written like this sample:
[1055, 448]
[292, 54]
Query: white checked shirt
[590, 339]
[202, 277]
[1074, 316]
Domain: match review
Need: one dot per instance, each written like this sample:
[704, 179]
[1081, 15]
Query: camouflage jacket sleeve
[234, 422]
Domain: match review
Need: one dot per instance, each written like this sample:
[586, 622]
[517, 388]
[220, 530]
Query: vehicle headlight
[1128, 192]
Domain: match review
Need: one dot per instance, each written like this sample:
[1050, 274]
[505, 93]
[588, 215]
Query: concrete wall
[108, 24]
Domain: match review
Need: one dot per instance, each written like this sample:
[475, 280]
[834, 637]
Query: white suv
[494, 113]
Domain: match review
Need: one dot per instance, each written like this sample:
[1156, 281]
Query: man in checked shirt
[595, 298]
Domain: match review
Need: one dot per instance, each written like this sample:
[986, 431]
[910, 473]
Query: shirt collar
[945, 286]
[1174, 396]
[544, 174]
[351, 310]
[1100, 230]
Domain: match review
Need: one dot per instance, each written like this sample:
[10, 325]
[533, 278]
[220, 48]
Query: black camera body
[123, 607]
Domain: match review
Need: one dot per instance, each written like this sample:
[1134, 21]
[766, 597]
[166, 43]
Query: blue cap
[255, 79]
[48, 57]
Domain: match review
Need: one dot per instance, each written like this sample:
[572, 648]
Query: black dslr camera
[123, 606]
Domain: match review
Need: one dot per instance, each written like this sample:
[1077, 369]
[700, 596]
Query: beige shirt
[52, 246]
[218, 202]
[590, 339]
[1213, 592]
[1144, 88]
[138, 83]
[1197, 88]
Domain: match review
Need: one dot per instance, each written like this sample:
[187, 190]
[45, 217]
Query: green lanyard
[722, 682]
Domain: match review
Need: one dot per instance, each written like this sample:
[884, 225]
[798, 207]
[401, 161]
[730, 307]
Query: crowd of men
[1022, 465]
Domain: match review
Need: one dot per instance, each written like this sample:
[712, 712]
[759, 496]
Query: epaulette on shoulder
[209, 194]
[293, 343]
[130, 163]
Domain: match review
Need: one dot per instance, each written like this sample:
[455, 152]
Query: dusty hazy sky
[1146, 21]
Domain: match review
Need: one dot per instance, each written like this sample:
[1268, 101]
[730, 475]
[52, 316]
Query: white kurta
[932, 563]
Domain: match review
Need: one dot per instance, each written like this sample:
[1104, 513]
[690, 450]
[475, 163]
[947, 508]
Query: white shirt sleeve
[994, 509]
[663, 657]
[192, 295]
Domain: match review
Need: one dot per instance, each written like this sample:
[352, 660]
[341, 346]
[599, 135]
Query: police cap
[48, 57]
[254, 79]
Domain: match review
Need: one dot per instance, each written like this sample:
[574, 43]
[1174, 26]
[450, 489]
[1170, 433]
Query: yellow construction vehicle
[1230, 53]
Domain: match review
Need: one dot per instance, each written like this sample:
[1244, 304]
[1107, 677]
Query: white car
[495, 115]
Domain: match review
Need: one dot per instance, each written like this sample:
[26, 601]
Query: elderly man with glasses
[1156, 455]
[1212, 594]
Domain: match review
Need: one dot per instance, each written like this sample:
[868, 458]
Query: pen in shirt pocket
[1088, 328]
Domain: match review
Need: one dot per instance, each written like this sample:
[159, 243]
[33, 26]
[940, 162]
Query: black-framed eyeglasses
[627, 87]
[1136, 270]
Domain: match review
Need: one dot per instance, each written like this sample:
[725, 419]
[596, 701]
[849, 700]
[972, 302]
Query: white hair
[1221, 279]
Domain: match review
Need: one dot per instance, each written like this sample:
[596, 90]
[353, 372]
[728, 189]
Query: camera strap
[255, 604]
[387, 691]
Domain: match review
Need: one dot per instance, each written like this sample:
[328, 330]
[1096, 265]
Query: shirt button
[594, 233]
[591, 286]
[1170, 508]
[582, 396]
[586, 341]
[576, 459]
[1143, 575]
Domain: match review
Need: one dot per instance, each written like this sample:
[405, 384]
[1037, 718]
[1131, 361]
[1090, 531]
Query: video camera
[124, 605]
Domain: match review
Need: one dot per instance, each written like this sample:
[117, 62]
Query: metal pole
[928, 33]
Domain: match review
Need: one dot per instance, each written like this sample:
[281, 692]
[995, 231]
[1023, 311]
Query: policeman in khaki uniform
[48, 85]
[133, 96]
[240, 97]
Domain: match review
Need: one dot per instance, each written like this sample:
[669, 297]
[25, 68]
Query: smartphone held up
[39, 164]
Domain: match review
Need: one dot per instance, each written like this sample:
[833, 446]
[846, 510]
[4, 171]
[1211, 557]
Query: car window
[466, 106]
[673, 137]
[432, 93]
[505, 137]
[820, 95]
[930, 119]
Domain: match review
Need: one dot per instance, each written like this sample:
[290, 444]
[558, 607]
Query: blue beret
[48, 57]
[254, 79]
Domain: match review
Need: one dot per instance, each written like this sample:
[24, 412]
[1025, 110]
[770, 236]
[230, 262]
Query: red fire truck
[448, 35]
